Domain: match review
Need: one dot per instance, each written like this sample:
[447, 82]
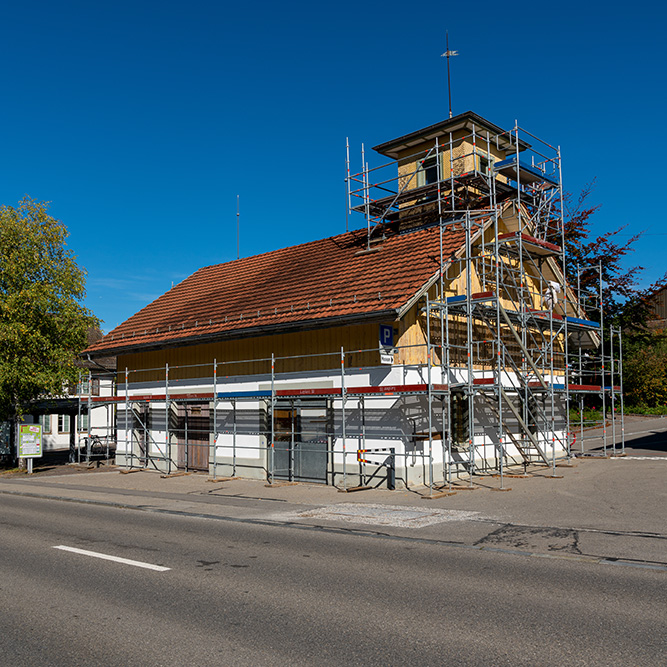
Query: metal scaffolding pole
[470, 395]
[127, 421]
[603, 370]
[429, 400]
[612, 394]
[215, 418]
[167, 407]
[272, 417]
[343, 397]
[620, 381]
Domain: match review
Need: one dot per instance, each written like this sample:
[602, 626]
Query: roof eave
[418, 295]
[393, 147]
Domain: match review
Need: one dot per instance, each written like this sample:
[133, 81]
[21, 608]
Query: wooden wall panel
[251, 356]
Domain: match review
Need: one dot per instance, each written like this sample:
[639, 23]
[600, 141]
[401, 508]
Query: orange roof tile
[318, 283]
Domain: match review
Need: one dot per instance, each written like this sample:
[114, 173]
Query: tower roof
[463, 121]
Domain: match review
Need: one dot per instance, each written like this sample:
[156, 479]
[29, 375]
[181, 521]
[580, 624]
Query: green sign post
[30, 442]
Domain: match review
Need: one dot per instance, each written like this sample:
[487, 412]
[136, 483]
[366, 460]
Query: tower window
[427, 172]
[484, 163]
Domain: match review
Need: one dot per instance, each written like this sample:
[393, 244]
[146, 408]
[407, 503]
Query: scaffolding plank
[102, 399]
[388, 390]
[587, 324]
[329, 391]
[206, 396]
[540, 246]
[544, 314]
[483, 296]
[580, 388]
[141, 398]
[556, 385]
[244, 394]
[391, 390]
[147, 398]
[522, 172]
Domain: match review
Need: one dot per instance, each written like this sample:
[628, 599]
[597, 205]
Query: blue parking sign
[386, 335]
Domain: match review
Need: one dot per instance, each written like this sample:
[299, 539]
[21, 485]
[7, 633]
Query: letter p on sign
[386, 335]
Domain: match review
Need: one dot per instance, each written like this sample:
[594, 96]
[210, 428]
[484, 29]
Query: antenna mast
[448, 54]
[238, 229]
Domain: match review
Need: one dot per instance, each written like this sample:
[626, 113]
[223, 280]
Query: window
[484, 162]
[427, 172]
[45, 421]
[86, 387]
[83, 423]
[63, 423]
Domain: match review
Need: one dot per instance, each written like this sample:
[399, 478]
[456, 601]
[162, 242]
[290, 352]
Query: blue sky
[142, 121]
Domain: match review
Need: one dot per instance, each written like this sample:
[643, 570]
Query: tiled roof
[318, 283]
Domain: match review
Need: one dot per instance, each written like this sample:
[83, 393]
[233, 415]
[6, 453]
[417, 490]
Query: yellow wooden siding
[252, 356]
[411, 341]
[457, 159]
[456, 284]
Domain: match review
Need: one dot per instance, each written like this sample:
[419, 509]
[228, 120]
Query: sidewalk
[597, 509]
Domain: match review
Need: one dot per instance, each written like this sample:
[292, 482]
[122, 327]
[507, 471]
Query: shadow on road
[653, 442]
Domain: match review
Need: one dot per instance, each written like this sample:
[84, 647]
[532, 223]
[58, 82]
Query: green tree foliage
[645, 370]
[43, 325]
[625, 304]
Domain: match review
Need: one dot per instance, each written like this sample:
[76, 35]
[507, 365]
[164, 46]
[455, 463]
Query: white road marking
[116, 559]
[639, 458]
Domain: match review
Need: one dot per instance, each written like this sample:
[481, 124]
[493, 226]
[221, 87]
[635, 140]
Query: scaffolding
[97, 440]
[510, 345]
[227, 430]
[513, 338]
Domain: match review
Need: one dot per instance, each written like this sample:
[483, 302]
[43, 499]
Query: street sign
[30, 441]
[386, 336]
[387, 359]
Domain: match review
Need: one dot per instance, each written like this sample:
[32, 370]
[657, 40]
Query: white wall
[385, 422]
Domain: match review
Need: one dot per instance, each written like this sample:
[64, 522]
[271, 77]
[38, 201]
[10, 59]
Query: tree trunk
[14, 443]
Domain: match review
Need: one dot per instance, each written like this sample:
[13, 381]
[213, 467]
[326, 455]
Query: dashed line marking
[115, 559]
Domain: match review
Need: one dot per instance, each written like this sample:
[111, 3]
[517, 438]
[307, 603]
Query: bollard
[391, 470]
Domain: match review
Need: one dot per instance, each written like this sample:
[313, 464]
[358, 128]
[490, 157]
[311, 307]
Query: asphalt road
[644, 436]
[243, 593]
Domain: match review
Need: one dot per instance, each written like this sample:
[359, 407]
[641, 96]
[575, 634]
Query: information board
[30, 441]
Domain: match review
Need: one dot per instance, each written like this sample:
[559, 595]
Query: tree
[645, 370]
[625, 304]
[43, 325]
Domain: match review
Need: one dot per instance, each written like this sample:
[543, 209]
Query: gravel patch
[383, 515]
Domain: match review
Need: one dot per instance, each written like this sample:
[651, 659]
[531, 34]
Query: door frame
[194, 453]
[291, 408]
